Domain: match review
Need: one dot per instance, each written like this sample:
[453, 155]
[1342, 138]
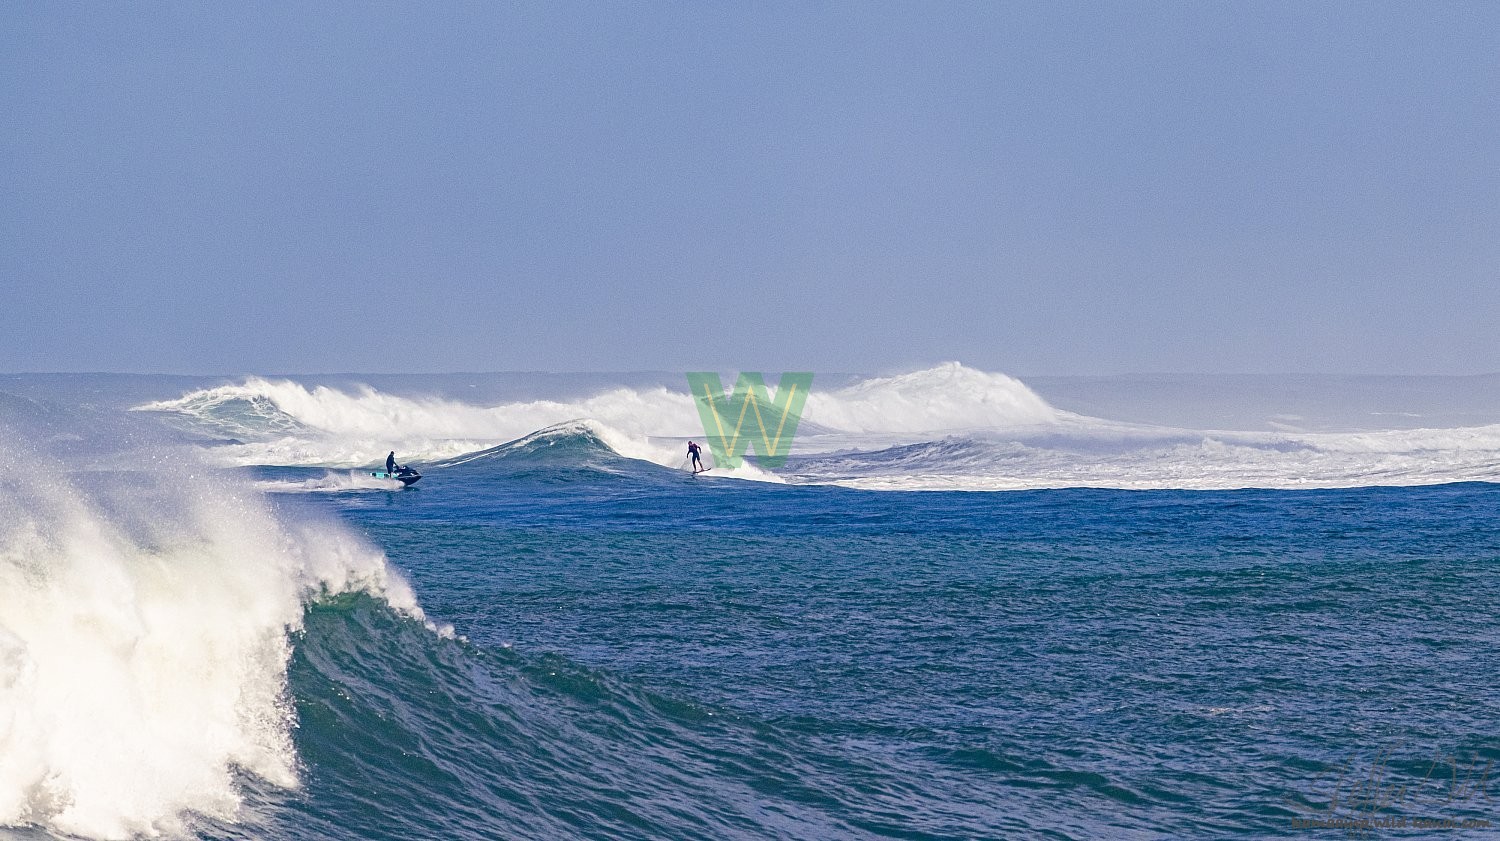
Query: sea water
[968, 607]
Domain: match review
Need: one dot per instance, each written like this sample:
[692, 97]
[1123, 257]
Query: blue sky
[1044, 188]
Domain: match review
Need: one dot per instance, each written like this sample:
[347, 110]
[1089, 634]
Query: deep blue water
[649, 655]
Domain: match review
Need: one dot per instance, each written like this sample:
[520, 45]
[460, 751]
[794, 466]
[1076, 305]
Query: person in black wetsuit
[390, 463]
[693, 453]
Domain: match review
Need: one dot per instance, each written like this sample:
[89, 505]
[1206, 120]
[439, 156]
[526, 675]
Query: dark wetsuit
[693, 451]
[390, 463]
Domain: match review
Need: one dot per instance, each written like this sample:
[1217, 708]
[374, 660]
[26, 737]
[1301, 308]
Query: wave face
[144, 621]
[944, 428]
[469, 742]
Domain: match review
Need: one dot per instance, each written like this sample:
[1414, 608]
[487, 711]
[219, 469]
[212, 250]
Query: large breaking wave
[144, 641]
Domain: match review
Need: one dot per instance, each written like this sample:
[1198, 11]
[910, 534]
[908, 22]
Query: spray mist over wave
[949, 396]
[144, 623]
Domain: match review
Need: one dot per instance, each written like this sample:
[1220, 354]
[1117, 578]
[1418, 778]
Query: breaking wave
[281, 422]
[144, 641]
[947, 427]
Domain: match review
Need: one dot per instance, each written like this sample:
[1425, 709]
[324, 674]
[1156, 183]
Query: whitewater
[144, 639]
[950, 427]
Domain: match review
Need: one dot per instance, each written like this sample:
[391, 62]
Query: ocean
[967, 606]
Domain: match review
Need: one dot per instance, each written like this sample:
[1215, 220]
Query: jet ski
[405, 475]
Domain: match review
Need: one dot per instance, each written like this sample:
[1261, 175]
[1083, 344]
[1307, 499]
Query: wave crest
[144, 625]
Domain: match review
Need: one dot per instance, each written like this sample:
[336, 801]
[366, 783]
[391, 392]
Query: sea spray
[144, 623]
[948, 396]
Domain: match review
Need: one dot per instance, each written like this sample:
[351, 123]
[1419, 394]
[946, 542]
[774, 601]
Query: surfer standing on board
[693, 453]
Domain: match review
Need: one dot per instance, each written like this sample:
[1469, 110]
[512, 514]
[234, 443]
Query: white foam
[332, 481]
[1027, 443]
[286, 423]
[144, 644]
[1137, 457]
[347, 429]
